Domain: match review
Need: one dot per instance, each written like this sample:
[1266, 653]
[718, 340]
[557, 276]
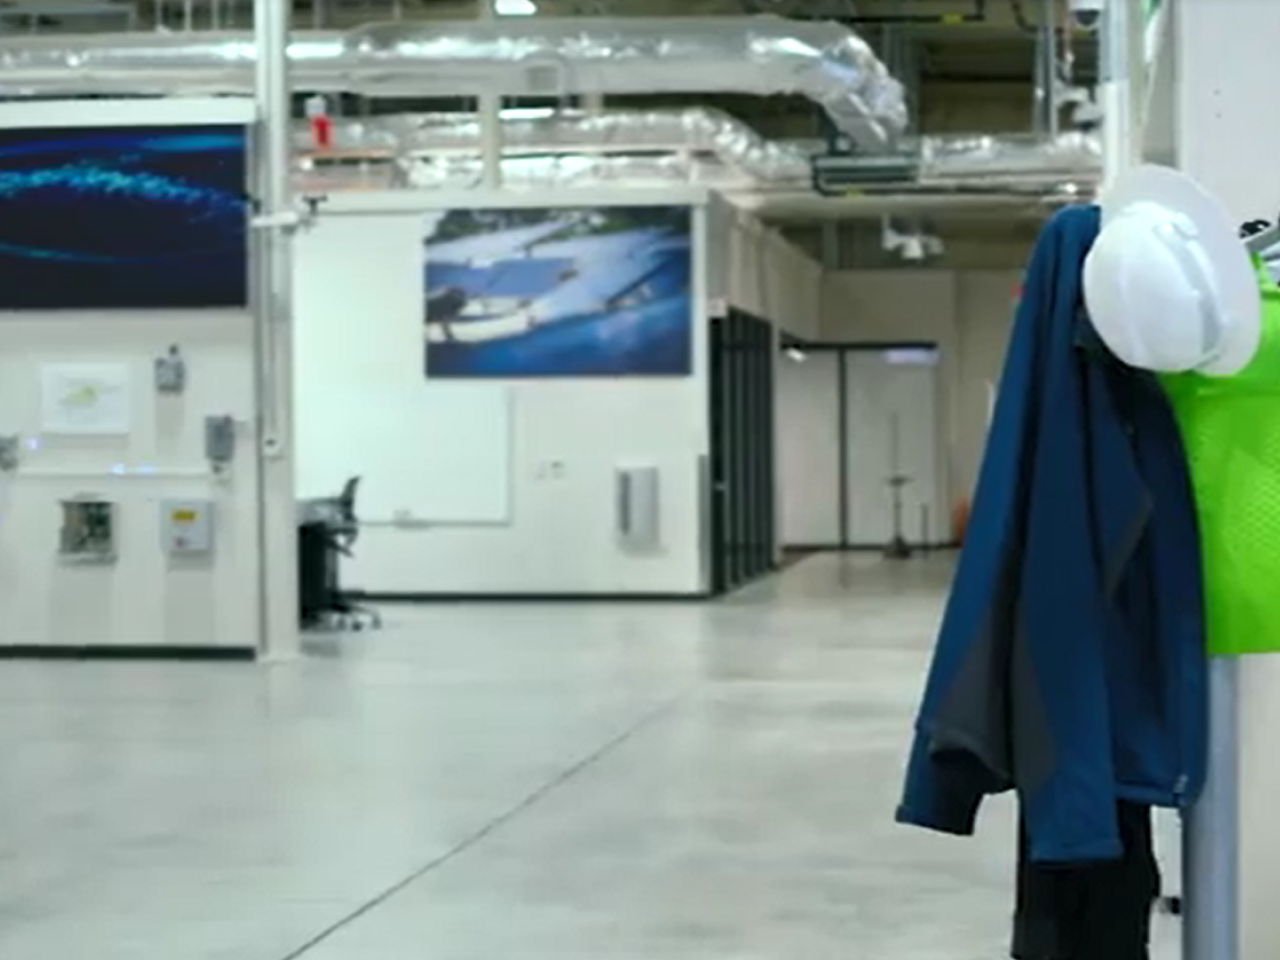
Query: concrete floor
[491, 782]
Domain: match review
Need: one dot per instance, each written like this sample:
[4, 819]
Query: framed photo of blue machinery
[124, 217]
[559, 292]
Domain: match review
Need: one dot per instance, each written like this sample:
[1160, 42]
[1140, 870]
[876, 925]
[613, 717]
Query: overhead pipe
[976, 14]
[557, 170]
[404, 138]
[1045, 119]
[490, 117]
[1008, 157]
[826, 62]
[431, 151]
[699, 130]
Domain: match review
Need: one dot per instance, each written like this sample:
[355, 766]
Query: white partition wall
[490, 483]
[143, 598]
[85, 414]
[892, 422]
[754, 268]
[850, 418]
[809, 448]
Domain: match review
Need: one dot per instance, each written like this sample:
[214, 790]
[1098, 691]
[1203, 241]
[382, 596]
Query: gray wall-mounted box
[186, 528]
[88, 533]
[638, 507]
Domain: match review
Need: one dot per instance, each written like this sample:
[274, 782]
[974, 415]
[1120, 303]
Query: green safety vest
[1231, 431]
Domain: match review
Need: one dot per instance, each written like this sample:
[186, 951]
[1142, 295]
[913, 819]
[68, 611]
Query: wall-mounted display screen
[123, 217]
[559, 292]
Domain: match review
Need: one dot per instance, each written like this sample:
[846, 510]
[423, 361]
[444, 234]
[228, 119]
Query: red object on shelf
[322, 131]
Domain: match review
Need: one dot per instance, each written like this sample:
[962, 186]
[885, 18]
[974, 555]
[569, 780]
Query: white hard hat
[1168, 284]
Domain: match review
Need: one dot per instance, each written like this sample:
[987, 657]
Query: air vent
[837, 174]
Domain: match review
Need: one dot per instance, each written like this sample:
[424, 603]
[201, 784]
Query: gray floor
[491, 782]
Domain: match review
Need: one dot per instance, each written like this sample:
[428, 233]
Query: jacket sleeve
[962, 742]
[1059, 692]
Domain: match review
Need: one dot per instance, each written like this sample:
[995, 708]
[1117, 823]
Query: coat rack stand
[1211, 109]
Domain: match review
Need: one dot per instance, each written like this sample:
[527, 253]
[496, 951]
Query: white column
[273, 322]
[1120, 76]
[1227, 73]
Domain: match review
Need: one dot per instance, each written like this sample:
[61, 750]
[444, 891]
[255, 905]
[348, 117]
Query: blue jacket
[1070, 664]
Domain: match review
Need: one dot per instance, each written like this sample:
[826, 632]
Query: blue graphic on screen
[132, 217]
[563, 292]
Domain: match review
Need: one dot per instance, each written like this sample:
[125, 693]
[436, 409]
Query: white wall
[755, 269]
[141, 599]
[892, 428]
[808, 451]
[967, 313]
[359, 328]
[985, 304]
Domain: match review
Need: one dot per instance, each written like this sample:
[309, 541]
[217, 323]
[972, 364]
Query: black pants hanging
[1098, 911]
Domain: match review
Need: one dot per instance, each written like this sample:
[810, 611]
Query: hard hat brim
[1234, 275]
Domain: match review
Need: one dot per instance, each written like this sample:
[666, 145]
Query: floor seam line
[489, 829]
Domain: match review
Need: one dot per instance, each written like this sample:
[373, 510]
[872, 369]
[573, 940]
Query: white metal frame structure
[273, 320]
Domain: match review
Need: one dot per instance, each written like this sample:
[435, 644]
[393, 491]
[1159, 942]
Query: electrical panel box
[186, 528]
[171, 373]
[88, 532]
[638, 516]
[219, 440]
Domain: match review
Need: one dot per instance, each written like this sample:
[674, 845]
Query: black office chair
[341, 533]
[346, 531]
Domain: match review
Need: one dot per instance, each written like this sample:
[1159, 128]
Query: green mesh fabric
[1231, 429]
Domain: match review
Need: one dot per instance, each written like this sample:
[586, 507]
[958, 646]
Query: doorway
[858, 446]
[743, 544]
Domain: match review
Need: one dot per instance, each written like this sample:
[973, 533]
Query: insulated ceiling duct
[825, 62]
[451, 141]
[404, 137]
[1009, 156]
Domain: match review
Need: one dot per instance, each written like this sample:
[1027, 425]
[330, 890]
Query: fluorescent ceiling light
[514, 8]
[912, 356]
[527, 113]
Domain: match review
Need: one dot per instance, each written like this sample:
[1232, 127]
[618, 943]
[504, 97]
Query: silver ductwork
[575, 170]
[408, 137]
[766, 55]
[1010, 156]
[428, 150]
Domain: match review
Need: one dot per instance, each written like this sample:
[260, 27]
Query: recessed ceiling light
[514, 8]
